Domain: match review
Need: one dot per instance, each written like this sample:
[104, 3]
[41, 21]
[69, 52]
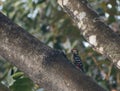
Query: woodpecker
[77, 60]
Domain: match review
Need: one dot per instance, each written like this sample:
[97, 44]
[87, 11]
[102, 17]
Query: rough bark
[94, 30]
[3, 88]
[45, 66]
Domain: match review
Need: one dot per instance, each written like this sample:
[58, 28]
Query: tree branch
[94, 30]
[45, 66]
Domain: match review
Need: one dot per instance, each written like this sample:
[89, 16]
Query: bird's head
[74, 51]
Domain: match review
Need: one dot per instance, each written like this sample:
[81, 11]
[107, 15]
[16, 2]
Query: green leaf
[17, 75]
[22, 84]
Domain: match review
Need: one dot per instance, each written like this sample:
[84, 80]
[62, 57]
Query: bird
[77, 60]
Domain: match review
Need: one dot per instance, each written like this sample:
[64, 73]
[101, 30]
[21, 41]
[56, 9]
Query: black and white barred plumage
[77, 60]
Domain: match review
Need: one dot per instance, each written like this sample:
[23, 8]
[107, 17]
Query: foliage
[22, 84]
[46, 20]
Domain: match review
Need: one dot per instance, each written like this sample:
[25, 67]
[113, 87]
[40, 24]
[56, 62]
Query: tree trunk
[94, 30]
[45, 66]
